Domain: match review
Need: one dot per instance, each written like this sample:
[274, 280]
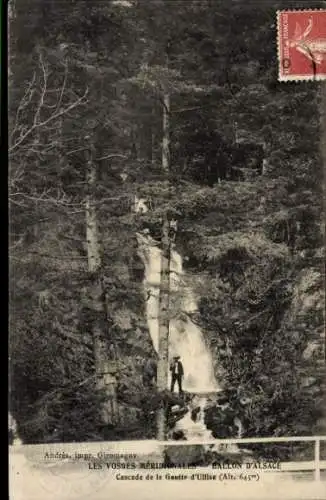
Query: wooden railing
[316, 465]
[148, 447]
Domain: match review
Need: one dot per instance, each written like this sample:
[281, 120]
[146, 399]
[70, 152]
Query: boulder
[178, 435]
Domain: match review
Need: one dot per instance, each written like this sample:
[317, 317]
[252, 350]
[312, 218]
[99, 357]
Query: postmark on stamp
[301, 45]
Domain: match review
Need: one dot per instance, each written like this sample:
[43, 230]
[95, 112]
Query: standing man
[176, 370]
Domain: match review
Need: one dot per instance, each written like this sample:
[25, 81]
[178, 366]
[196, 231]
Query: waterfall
[185, 338]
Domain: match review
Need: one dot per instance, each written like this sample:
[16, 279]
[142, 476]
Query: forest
[177, 103]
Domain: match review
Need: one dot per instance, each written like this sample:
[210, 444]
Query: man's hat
[176, 357]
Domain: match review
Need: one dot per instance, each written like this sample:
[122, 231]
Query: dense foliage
[244, 185]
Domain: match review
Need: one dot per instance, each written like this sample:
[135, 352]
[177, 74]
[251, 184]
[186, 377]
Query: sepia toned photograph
[166, 248]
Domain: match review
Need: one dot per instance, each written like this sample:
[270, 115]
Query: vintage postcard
[167, 291]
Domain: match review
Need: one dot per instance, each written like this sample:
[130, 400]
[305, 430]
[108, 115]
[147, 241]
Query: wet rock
[223, 399]
[194, 414]
[176, 416]
[178, 435]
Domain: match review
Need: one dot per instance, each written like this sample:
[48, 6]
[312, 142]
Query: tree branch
[43, 91]
[182, 110]
[54, 116]
[113, 155]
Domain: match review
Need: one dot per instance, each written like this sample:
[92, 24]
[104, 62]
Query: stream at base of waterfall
[185, 338]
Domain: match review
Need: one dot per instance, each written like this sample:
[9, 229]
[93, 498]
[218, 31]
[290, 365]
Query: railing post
[317, 464]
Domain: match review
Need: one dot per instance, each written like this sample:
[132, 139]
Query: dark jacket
[176, 368]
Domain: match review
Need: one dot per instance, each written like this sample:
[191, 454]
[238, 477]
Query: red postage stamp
[301, 45]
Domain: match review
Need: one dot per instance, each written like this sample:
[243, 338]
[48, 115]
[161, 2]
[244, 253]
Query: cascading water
[185, 338]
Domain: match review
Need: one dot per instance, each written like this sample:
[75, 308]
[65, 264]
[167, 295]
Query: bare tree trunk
[105, 381]
[60, 148]
[164, 295]
[92, 238]
[163, 325]
[166, 133]
[152, 139]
